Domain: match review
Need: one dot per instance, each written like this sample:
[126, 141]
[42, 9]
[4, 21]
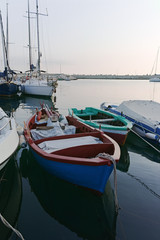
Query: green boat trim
[98, 118]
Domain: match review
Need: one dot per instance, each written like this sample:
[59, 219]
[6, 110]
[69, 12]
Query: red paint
[39, 115]
[82, 155]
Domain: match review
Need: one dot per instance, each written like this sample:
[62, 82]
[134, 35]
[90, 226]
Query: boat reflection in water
[124, 161]
[136, 145]
[28, 107]
[26, 102]
[139, 146]
[89, 215]
[34, 102]
[9, 104]
[10, 196]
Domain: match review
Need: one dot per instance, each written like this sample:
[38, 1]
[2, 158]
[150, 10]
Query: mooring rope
[107, 156]
[145, 185]
[145, 141]
[9, 226]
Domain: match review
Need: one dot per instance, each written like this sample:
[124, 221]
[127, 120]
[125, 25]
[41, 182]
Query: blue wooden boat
[117, 127]
[54, 193]
[71, 150]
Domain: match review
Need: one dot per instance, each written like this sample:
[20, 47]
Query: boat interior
[85, 142]
[99, 117]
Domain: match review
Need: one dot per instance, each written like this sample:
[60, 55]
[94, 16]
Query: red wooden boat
[70, 149]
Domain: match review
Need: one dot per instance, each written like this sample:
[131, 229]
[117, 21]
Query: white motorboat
[9, 139]
[155, 79]
[144, 114]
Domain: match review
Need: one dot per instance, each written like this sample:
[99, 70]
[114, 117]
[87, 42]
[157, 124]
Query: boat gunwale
[127, 124]
[139, 124]
[11, 133]
[97, 161]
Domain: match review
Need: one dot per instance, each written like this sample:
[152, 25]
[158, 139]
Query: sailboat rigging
[7, 86]
[155, 78]
[37, 84]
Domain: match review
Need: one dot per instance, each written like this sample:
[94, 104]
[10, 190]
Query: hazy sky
[86, 36]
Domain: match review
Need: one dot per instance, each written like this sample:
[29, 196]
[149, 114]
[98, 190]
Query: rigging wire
[155, 64]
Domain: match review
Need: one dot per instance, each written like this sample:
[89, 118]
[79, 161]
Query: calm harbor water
[45, 207]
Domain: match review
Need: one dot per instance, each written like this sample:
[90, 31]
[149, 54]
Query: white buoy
[151, 136]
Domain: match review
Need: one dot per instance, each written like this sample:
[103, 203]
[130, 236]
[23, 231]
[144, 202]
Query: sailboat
[35, 83]
[8, 87]
[155, 78]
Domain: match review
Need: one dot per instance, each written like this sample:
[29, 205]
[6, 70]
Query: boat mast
[29, 35]
[3, 41]
[7, 36]
[38, 41]
[39, 54]
[157, 61]
[6, 65]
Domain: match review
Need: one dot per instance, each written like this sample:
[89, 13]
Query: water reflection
[35, 102]
[81, 211]
[10, 196]
[124, 161]
[137, 145]
[9, 104]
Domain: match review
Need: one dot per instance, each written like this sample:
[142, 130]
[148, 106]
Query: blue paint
[93, 177]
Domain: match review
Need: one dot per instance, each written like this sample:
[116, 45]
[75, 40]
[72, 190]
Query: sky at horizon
[85, 36]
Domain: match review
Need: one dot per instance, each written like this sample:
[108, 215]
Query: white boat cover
[55, 145]
[145, 111]
[55, 131]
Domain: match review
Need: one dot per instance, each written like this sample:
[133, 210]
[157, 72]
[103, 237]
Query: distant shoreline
[120, 77]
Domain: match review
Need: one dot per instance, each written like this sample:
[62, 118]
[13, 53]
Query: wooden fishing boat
[117, 127]
[144, 114]
[70, 149]
[54, 193]
[9, 138]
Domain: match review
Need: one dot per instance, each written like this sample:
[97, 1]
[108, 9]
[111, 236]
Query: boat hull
[38, 90]
[119, 136]
[9, 89]
[91, 177]
[53, 193]
[143, 128]
[74, 157]
[155, 79]
[118, 133]
[8, 144]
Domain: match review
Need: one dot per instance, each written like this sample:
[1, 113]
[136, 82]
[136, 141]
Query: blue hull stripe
[92, 177]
